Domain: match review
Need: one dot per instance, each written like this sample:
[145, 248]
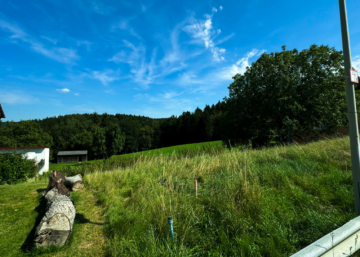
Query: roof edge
[23, 147]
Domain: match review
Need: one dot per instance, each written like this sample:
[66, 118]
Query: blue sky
[151, 58]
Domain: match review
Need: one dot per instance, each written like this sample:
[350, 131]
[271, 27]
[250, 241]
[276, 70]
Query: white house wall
[34, 153]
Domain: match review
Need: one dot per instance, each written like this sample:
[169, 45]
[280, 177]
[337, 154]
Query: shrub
[16, 168]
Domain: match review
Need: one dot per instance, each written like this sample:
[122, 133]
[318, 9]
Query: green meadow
[268, 202]
[164, 151]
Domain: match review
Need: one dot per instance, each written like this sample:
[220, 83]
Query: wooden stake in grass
[163, 177]
[195, 184]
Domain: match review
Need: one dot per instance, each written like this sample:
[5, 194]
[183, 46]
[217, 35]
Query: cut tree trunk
[56, 226]
[74, 183]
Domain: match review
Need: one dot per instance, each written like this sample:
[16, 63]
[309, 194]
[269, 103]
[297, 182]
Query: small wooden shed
[72, 156]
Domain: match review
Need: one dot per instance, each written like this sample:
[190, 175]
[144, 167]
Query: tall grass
[269, 202]
[120, 162]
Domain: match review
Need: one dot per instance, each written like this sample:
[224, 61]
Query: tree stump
[56, 226]
[74, 183]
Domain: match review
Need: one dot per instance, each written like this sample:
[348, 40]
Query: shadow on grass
[80, 219]
[28, 244]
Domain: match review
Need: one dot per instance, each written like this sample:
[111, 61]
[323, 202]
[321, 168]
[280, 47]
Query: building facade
[72, 156]
[36, 153]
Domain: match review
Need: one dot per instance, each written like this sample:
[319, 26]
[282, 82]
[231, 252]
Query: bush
[16, 168]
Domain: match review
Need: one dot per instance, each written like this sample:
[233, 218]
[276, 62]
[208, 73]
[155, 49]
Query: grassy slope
[252, 203]
[164, 151]
[271, 202]
[21, 208]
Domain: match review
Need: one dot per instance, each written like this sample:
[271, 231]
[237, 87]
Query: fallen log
[56, 226]
[54, 176]
[74, 183]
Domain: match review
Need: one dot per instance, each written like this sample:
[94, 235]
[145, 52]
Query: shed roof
[23, 147]
[2, 114]
[80, 152]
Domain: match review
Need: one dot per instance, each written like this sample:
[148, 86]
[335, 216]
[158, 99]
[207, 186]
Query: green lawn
[171, 149]
[21, 209]
[269, 202]
[59, 166]
[164, 151]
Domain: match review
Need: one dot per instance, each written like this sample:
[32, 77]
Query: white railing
[343, 241]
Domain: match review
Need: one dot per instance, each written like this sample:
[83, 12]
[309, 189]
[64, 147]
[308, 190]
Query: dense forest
[281, 96]
[104, 135]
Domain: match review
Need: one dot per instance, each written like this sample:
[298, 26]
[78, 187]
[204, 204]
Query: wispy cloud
[54, 41]
[63, 55]
[142, 71]
[204, 31]
[125, 25]
[106, 76]
[356, 63]
[77, 94]
[63, 90]
[84, 42]
[101, 8]
[240, 66]
[220, 8]
[170, 95]
[188, 79]
[17, 97]
[184, 104]
[175, 58]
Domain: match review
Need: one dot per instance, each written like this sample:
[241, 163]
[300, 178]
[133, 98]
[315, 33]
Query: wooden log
[54, 177]
[56, 226]
[74, 183]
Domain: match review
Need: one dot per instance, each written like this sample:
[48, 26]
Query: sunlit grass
[22, 207]
[270, 202]
[161, 151]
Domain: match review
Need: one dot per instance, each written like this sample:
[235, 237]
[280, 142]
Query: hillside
[269, 202]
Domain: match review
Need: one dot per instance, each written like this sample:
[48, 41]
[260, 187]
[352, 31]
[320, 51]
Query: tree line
[281, 96]
[104, 135]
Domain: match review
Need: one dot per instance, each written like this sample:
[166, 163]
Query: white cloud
[170, 95]
[188, 79]
[77, 94]
[124, 25]
[220, 8]
[203, 30]
[175, 104]
[63, 55]
[356, 63]
[146, 69]
[54, 41]
[105, 77]
[129, 57]
[214, 9]
[240, 66]
[17, 97]
[142, 71]
[84, 42]
[63, 90]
